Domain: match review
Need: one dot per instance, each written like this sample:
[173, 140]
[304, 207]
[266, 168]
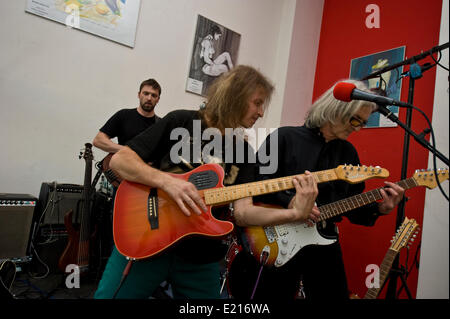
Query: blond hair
[227, 97]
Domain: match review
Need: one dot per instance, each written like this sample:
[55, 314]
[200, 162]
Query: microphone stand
[397, 271]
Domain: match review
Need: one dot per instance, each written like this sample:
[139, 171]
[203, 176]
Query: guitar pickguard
[292, 237]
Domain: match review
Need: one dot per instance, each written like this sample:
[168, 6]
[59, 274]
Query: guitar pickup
[152, 208]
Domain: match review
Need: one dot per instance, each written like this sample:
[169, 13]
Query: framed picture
[389, 81]
[115, 20]
[214, 52]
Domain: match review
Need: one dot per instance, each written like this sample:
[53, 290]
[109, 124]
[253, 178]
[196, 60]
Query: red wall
[344, 36]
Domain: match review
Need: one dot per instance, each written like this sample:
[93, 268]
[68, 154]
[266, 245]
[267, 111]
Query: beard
[147, 107]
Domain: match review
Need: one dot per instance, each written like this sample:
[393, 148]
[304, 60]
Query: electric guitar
[112, 177]
[77, 250]
[146, 220]
[405, 233]
[276, 245]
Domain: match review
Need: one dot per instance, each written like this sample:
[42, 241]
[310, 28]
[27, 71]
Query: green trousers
[188, 280]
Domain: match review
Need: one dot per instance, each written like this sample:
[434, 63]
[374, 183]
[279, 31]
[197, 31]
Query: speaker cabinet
[16, 215]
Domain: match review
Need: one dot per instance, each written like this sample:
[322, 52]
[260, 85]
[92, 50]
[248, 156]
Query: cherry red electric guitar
[147, 221]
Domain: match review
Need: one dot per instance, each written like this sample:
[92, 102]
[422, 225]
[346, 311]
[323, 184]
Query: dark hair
[152, 83]
[214, 29]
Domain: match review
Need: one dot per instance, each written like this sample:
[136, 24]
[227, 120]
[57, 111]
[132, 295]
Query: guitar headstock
[406, 232]
[426, 177]
[357, 174]
[87, 152]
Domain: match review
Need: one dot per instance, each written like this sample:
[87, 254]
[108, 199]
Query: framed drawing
[389, 81]
[115, 20]
[214, 52]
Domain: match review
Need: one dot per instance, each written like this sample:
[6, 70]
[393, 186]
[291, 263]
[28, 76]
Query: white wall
[434, 267]
[302, 62]
[58, 86]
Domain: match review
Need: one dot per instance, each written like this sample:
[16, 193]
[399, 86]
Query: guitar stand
[393, 274]
[401, 273]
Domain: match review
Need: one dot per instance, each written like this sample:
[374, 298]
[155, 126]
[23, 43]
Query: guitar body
[146, 220]
[281, 242]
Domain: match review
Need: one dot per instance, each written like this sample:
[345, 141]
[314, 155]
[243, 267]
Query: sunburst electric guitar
[147, 221]
[276, 245]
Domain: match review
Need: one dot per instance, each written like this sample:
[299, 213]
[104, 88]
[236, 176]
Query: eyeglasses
[356, 122]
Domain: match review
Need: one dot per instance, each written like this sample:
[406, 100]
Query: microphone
[346, 92]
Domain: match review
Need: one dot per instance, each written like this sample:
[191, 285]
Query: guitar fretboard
[345, 205]
[231, 193]
[385, 267]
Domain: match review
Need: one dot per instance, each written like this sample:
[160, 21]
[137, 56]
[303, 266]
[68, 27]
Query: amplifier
[16, 216]
[50, 236]
[55, 200]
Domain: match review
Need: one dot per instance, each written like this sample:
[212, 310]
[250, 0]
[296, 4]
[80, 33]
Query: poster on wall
[114, 20]
[389, 81]
[214, 52]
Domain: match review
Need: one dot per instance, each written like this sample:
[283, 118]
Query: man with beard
[127, 123]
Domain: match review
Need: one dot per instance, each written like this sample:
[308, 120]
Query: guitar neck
[224, 195]
[85, 213]
[385, 267]
[342, 206]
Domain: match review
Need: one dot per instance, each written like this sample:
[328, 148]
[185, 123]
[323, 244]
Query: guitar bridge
[152, 208]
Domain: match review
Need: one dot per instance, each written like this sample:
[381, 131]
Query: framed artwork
[214, 52]
[115, 20]
[389, 81]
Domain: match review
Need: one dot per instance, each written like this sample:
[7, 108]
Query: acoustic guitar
[405, 233]
[282, 242]
[147, 221]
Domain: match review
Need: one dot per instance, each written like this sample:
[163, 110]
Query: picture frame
[215, 51]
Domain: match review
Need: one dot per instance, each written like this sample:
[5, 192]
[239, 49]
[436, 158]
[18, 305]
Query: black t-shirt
[171, 145]
[126, 124]
[300, 149]
[319, 267]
